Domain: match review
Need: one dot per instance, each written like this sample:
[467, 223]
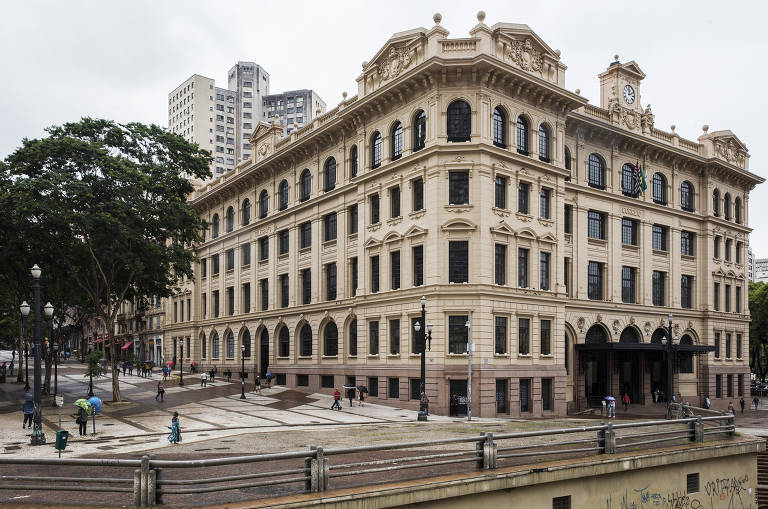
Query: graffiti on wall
[720, 493]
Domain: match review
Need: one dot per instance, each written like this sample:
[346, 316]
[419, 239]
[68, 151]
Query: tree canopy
[107, 205]
[758, 328]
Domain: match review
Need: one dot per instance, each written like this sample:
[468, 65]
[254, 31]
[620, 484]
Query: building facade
[465, 172]
[750, 264]
[761, 270]
[294, 108]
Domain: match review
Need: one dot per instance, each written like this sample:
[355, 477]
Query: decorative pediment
[456, 225]
[392, 237]
[415, 231]
[547, 237]
[502, 229]
[264, 138]
[527, 233]
[370, 243]
[730, 148]
[401, 52]
[520, 46]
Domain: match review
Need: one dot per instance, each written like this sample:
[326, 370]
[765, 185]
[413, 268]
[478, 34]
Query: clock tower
[620, 95]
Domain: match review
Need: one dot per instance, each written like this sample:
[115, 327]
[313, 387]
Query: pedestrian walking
[351, 395]
[175, 427]
[160, 391]
[742, 403]
[215, 372]
[361, 397]
[625, 400]
[228, 374]
[610, 406]
[707, 402]
[212, 374]
[731, 410]
[28, 408]
[165, 372]
[656, 395]
[756, 402]
[257, 384]
[203, 379]
[336, 403]
[82, 421]
[124, 368]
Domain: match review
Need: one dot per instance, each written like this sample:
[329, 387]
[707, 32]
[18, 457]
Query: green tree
[111, 200]
[758, 329]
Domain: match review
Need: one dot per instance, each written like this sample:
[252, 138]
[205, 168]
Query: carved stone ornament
[580, 324]
[690, 324]
[616, 326]
[731, 152]
[647, 328]
[632, 320]
[393, 63]
[630, 118]
[264, 149]
[676, 329]
[525, 56]
[599, 318]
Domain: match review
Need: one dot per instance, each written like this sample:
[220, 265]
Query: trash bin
[61, 439]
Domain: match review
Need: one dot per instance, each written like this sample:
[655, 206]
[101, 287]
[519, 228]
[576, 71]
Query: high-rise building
[293, 109]
[750, 264]
[761, 270]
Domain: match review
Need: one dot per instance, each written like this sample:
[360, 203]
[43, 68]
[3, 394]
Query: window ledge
[264, 261]
[282, 358]
[351, 356]
[373, 227]
[329, 243]
[660, 252]
[569, 238]
[327, 357]
[306, 249]
[416, 214]
[230, 270]
[457, 354]
[524, 217]
[393, 355]
[546, 221]
[524, 356]
[631, 247]
[458, 208]
[373, 356]
[395, 220]
[502, 212]
[501, 355]
[352, 236]
[282, 256]
[597, 242]
[687, 257]
[414, 355]
[305, 357]
[547, 356]
[246, 266]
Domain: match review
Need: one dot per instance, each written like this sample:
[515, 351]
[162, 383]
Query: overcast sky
[62, 60]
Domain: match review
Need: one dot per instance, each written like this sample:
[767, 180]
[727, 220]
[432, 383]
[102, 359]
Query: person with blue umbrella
[175, 427]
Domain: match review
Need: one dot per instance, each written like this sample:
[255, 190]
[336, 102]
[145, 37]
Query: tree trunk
[113, 363]
[48, 365]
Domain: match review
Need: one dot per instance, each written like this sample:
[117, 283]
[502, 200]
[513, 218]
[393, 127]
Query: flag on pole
[636, 184]
[643, 179]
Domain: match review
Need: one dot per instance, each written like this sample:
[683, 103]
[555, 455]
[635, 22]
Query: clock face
[629, 94]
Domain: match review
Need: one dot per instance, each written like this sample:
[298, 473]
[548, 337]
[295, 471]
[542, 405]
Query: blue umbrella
[95, 402]
[270, 376]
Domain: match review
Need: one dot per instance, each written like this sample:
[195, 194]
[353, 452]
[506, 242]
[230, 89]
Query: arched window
[596, 334]
[329, 175]
[727, 206]
[305, 185]
[686, 358]
[737, 210]
[331, 340]
[246, 211]
[459, 121]
[353, 162]
[728, 246]
[283, 342]
[305, 347]
[264, 203]
[544, 143]
[658, 335]
[375, 150]
[686, 196]
[215, 345]
[352, 338]
[499, 128]
[567, 161]
[629, 335]
[230, 345]
[204, 346]
[215, 226]
[716, 202]
[282, 195]
[230, 219]
[628, 180]
[596, 171]
[419, 130]
[659, 185]
[522, 136]
[246, 341]
[397, 141]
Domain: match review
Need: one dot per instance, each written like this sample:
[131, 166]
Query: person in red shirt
[336, 400]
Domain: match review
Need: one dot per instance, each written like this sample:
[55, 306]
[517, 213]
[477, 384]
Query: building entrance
[458, 406]
[596, 378]
[264, 353]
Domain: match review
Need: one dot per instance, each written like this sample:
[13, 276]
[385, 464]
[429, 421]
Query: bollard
[601, 439]
[610, 440]
[144, 480]
[151, 488]
[308, 481]
[158, 483]
[732, 423]
[480, 448]
[489, 452]
[137, 487]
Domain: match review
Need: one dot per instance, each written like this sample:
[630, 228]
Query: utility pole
[470, 348]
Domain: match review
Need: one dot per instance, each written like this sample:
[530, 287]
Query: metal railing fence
[311, 470]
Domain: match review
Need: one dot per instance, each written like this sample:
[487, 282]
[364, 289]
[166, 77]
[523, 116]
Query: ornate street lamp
[24, 314]
[669, 347]
[424, 334]
[90, 373]
[181, 362]
[242, 371]
[38, 437]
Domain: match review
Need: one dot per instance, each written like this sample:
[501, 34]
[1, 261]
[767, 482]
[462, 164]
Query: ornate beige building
[464, 171]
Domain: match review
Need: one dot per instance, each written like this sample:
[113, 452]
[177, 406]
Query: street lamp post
[90, 372]
[669, 343]
[242, 371]
[181, 363]
[425, 333]
[38, 437]
[55, 370]
[24, 308]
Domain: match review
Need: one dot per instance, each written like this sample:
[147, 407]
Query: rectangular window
[305, 234]
[415, 384]
[727, 345]
[374, 208]
[373, 386]
[306, 286]
[738, 300]
[263, 249]
[500, 191]
[739, 384]
[373, 338]
[302, 380]
[264, 290]
[595, 281]
[353, 275]
[727, 298]
[522, 268]
[418, 265]
[738, 347]
[500, 335]
[729, 386]
[231, 300]
[204, 306]
[418, 194]
[247, 298]
[329, 223]
[284, 290]
[718, 386]
[245, 254]
[175, 312]
[544, 270]
[501, 264]
[215, 264]
[739, 249]
[524, 336]
[458, 261]
[628, 286]
[523, 191]
[458, 187]
[658, 287]
[716, 250]
[629, 231]
[659, 237]
[596, 225]
[394, 337]
[545, 335]
[544, 203]
[717, 345]
[716, 296]
[525, 395]
[330, 281]
[394, 388]
[502, 396]
[230, 253]
[215, 297]
[326, 381]
[546, 394]
[374, 274]
[686, 291]
[394, 266]
[686, 243]
[568, 218]
[394, 202]
[352, 218]
[561, 502]
[283, 241]
[457, 334]
[203, 268]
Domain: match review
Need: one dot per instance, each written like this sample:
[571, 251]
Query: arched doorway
[264, 352]
[658, 367]
[629, 366]
[596, 366]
